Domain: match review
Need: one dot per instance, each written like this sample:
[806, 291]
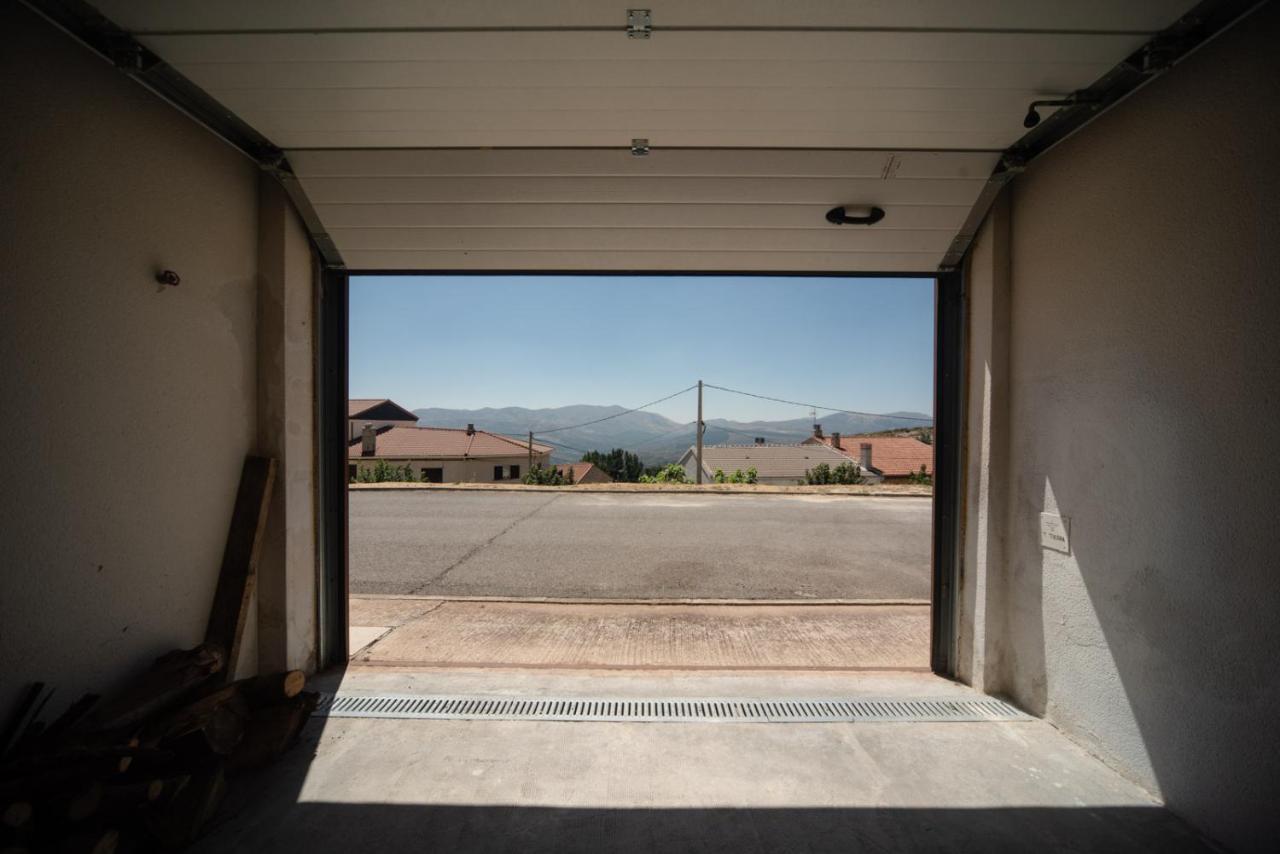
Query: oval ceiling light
[855, 215]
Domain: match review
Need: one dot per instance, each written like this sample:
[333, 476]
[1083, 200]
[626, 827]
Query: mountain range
[655, 438]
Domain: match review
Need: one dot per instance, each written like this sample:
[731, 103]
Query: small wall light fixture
[855, 215]
[168, 277]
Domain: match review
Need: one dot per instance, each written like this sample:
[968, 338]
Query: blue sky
[466, 342]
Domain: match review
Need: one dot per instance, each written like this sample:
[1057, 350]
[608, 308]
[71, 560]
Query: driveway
[639, 545]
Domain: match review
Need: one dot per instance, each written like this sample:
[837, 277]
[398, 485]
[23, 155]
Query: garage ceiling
[797, 107]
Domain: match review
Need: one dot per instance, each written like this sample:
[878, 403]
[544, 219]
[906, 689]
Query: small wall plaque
[1055, 532]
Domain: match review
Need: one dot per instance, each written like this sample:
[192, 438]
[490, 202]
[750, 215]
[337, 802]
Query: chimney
[471, 429]
[817, 431]
[835, 441]
[864, 455]
[368, 441]
[759, 440]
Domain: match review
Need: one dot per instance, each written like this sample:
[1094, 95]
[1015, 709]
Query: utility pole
[530, 451]
[699, 454]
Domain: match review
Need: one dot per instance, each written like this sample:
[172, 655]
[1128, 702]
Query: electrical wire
[834, 409]
[561, 445]
[616, 414]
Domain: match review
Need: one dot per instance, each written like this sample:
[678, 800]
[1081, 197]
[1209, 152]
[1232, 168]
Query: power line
[562, 445]
[684, 428]
[616, 414]
[816, 406]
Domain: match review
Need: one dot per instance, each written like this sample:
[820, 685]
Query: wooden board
[238, 575]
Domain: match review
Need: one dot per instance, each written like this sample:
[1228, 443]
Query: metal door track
[659, 710]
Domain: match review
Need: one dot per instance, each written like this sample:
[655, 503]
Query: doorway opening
[523, 486]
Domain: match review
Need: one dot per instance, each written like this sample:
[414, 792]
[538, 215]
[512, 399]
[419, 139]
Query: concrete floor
[423, 633]
[490, 786]
[640, 546]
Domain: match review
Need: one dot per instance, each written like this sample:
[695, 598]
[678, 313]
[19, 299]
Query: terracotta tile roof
[386, 409]
[357, 405]
[443, 443]
[891, 456]
[770, 461]
[580, 470]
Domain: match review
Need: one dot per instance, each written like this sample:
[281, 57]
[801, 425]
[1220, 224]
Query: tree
[621, 465]
[922, 476]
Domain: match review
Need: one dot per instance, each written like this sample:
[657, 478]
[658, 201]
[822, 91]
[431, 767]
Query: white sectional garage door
[496, 135]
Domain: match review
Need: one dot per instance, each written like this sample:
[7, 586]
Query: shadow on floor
[335, 827]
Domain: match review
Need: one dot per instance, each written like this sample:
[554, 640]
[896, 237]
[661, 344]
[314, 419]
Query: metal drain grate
[454, 707]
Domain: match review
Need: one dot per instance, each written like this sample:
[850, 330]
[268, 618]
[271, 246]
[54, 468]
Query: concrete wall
[1135, 391]
[134, 404]
[287, 618]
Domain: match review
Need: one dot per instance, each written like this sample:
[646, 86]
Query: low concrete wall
[910, 491]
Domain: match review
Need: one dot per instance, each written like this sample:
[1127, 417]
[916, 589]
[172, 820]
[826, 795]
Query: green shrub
[541, 475]
[921, 477]
[844, 473]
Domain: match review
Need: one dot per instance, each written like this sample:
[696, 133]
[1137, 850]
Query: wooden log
[271, 731]
[238, 575]
[84, 802]
[272, 688]
[60, 728]
[182, 817]
[16, 814]
[91, 842]
[13, 724]
[172, 677]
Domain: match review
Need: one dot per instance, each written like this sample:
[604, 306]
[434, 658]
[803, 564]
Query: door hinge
[639, 23]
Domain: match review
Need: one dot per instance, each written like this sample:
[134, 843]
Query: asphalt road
[639, 546]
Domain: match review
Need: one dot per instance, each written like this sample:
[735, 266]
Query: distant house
[894, 458]
[379, 412]
[443, 455]
[775, 464]
[584, 473]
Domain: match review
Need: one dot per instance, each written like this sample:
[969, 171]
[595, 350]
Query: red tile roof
[443, 443]
[580, 471]
[361, 405]
[891, 456]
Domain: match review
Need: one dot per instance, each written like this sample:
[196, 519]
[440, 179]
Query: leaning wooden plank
[240, 559]
[18, 716]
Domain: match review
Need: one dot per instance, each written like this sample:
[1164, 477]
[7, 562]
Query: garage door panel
[703, 46]
[643, 189]
[609, 209]
[1003, 102]
[338, 217]
[656, 123]
[740, 163]
[830, 239]
[1093, 15]
[628, 261]
[222, 79]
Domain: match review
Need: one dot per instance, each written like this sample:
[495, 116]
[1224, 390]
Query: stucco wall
[133, 404]
[287, 579]
[1143, 361]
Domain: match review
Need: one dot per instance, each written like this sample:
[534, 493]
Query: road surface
[639, 545]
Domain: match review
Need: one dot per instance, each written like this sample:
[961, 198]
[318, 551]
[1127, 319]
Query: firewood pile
[144, 768]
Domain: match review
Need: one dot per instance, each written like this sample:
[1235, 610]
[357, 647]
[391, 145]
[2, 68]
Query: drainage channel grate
[455, 707]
